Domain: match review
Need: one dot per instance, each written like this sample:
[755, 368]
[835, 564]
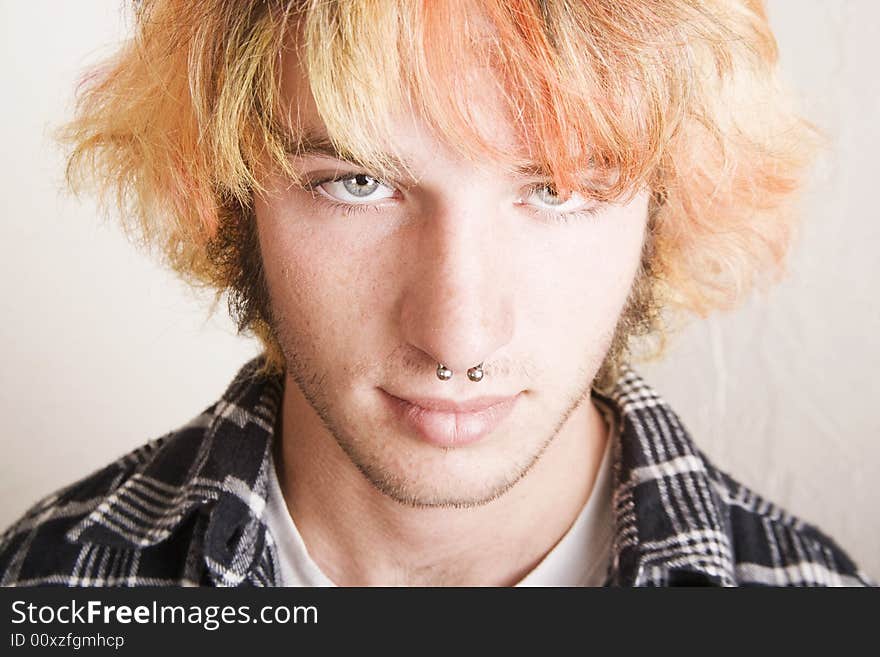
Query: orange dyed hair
[680, 96]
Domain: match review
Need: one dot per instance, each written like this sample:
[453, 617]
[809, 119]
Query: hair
[679, 96]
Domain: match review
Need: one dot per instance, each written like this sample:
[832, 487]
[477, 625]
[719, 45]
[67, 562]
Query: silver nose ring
[475, 374]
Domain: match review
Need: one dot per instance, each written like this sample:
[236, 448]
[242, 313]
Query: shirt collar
[669, 504]
[669, 527]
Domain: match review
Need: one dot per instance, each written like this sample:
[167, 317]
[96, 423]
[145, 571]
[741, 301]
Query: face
[374, 282]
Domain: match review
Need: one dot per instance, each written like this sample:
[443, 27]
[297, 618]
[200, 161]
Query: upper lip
[474, 405]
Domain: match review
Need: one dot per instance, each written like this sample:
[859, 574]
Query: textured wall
[103, 350]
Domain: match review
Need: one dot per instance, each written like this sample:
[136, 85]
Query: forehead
[400, 125]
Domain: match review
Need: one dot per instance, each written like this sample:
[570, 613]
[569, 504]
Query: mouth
[449, 423]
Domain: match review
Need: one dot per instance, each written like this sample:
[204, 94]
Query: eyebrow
[314, 143]
[310, 143]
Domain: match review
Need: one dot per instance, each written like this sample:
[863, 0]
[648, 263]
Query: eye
[545, 197]
[355, 189]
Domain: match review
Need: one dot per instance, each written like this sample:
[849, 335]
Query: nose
[457, 308]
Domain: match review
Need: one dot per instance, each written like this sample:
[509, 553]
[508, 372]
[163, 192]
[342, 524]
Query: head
[384, 186]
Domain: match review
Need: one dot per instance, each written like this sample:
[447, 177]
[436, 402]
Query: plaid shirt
[187, 509]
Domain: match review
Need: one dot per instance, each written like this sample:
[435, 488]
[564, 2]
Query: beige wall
[103, 350]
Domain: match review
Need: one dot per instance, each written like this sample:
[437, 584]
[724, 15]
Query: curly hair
[681, 96]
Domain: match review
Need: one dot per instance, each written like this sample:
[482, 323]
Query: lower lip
[450, 429]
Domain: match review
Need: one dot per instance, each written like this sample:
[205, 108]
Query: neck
[358, 536]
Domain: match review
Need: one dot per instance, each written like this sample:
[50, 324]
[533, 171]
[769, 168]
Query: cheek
[322, 280]
[583, 273]
[335, 284]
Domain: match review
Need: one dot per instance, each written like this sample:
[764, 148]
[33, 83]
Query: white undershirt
[580, 558]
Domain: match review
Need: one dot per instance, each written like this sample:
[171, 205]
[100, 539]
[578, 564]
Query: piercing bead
[475, 374]
[443, 372]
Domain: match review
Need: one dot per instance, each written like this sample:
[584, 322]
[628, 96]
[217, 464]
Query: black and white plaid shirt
[187, 509]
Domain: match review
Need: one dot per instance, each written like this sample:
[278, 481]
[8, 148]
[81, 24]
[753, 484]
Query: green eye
[360, 185]
[547, 195]
[355, 189]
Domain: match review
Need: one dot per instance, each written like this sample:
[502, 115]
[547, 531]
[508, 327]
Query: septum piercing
[475, 374]
[443, 372]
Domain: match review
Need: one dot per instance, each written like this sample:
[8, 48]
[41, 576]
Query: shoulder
[184, 508]
[771, 546]
[71, 536]
[679, 518]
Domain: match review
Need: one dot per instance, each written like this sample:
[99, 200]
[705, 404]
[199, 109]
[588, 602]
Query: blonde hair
[680, 96]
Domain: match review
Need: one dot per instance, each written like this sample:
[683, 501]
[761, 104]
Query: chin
[448, 478]
[425, 496]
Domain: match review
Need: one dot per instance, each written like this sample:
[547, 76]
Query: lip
[449, 423]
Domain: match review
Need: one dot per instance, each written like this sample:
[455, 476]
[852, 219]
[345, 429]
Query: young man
[445, 221]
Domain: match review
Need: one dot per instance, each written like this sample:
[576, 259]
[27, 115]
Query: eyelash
[352, 209]
[348, 209]
[565, 217]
